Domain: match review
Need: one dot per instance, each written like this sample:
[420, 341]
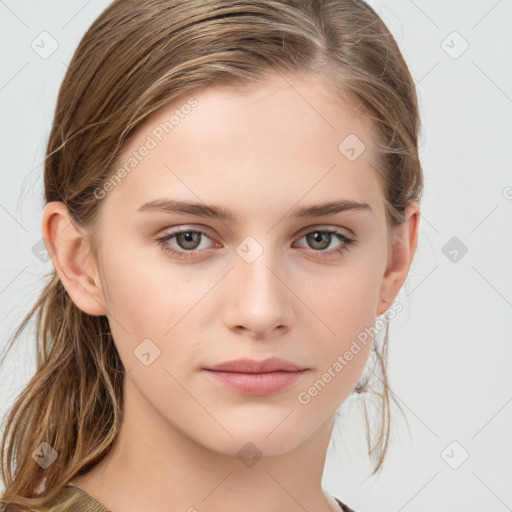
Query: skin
[261, 151]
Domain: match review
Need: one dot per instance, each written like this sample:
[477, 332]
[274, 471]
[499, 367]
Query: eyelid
[180, 228]
[326, 227]
[346, 241]
[187, 229]
[184, 228]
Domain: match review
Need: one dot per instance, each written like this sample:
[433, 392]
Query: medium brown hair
[136, 57]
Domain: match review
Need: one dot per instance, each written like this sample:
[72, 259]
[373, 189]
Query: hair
[135, 58]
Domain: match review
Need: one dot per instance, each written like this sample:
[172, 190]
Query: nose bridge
[260, 301]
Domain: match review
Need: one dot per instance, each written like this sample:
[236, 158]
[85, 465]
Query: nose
[259, 301]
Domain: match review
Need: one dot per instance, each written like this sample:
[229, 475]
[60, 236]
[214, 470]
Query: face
[186, 288]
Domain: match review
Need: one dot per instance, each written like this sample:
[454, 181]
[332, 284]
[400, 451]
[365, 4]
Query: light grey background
[450, 353]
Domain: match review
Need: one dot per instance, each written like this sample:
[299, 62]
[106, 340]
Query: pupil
[317, 237]
[187, 239]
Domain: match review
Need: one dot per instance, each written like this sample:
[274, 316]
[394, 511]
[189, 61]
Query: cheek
[140, 287]
[344, 302]
[345, 306]
[153, 299]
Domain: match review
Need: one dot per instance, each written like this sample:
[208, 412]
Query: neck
[156, 467]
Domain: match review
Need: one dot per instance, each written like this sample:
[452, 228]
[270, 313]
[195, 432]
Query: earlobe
[405, 241]
[68, 248]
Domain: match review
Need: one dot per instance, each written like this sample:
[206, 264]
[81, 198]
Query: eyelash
[162, 241]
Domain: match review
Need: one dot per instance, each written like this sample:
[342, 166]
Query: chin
[257, 441]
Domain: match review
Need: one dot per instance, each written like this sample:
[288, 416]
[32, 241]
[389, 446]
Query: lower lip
[256, 384]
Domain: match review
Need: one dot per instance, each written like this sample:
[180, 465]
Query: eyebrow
[219, 212]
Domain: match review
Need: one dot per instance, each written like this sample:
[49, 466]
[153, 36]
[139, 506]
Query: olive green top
[74, 499]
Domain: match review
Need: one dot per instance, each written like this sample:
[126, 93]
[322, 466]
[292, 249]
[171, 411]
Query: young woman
[232, 199]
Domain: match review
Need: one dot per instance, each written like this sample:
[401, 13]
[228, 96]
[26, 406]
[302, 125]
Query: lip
[245, 365]
[256, 378]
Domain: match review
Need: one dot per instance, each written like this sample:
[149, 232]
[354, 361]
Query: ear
[405, 241]
[69, 251]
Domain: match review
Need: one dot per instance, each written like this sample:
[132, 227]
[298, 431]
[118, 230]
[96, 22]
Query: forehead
[293, 108]
[281, 140]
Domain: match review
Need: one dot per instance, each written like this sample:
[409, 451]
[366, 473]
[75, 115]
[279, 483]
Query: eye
[321, 239]
[188, 241]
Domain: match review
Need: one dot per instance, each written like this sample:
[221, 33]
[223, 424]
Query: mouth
[256, 384]
[245, 365]
[256, 378]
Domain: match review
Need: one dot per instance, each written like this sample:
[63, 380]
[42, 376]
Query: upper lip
[245, 365]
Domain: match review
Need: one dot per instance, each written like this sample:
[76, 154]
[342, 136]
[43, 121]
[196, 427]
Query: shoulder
[74, 499]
